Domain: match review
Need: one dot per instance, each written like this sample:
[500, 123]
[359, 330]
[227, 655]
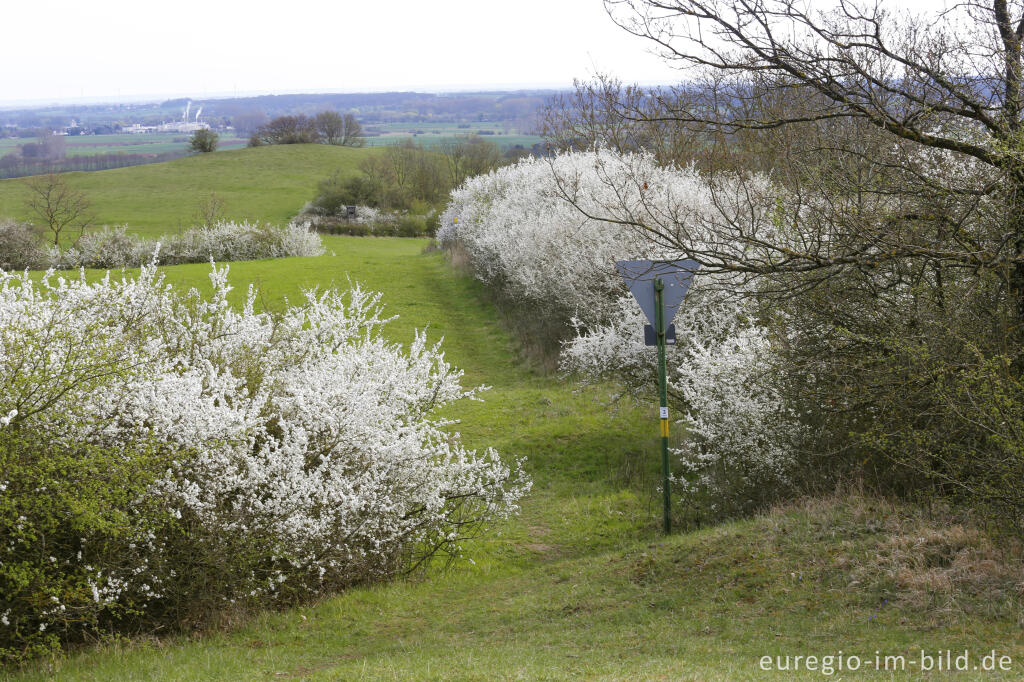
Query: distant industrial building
[183, 126]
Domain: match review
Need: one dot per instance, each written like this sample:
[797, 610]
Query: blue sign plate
[676, 275]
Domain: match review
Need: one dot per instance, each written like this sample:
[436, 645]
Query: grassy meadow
[264, 183]
[581, 585]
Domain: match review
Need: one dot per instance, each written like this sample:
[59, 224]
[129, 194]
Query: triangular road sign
[640, 275]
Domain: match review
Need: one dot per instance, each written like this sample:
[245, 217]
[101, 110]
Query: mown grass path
[580, 585]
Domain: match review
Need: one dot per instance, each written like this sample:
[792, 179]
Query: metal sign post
[659, 306]
[659, 288]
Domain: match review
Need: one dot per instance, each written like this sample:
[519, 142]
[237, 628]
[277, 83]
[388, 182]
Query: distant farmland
[145, 143]
[431, 134]
[92, 153]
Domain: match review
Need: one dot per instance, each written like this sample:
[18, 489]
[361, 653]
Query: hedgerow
[163, 455]
[21, 247]
[527, 231]
[224, 241]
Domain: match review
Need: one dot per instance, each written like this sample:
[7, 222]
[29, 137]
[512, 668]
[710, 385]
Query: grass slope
[263, 183]
[581, 585]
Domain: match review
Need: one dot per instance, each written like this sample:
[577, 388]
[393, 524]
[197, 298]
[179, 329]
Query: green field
[433, 139]
[264, 183]
[581, 585]
[160, 143]
[432, 134]
[124, 143]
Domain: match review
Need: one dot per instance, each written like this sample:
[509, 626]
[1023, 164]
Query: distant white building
[182, 126]
[137, 129]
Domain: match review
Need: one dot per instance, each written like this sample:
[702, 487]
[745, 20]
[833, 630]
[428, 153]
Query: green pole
[660, 329]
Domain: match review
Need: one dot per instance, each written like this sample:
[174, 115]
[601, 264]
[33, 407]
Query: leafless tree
[939, 94]
[401, 160]
[351, 132]
[890, 234]
[331, 126]
[454, 151]
[592, 115]
[299, 129]
[481, 156]
[469, 155]
[58, 206]
[209, 210]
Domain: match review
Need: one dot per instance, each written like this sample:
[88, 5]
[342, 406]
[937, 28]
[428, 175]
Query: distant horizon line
[158, 97]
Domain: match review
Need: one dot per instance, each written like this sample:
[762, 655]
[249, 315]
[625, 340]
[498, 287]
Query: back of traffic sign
[659, 288]
[640, 275]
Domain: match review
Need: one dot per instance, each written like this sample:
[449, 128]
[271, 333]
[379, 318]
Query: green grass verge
[263, 183]
[580, 585]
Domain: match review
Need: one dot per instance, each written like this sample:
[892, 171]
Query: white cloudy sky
[63, 50]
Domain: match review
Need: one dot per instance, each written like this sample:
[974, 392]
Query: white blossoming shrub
[545, 233]
[225, 241]
[163, 454]
[736, 452]
[521, 236]
[365, 215]
[20, 246]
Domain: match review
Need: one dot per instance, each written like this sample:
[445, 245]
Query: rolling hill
[263, 183]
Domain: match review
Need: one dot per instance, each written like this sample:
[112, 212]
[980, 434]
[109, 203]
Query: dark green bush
[412, 226]
[405, 226]
[204, 140]
[335, 193]
[349, 230]
[66, 531]
[955, 431]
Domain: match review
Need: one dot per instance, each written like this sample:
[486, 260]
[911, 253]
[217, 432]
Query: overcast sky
[60, 51]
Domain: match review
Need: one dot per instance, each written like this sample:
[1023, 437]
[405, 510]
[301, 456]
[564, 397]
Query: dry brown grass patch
[937, 559]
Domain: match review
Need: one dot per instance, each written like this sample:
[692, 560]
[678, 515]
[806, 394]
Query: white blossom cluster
[303, 438]
[365, 215]
[521, 235]
[547, 232]
[224, 241]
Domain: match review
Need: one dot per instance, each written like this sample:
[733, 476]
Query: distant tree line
[17, 166]
[46, 147]
[327, 127]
